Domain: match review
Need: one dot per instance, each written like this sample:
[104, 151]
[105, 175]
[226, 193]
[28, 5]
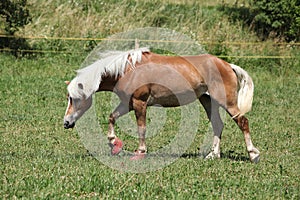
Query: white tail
[246, 89]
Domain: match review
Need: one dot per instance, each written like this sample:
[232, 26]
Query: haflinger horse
[142, 78]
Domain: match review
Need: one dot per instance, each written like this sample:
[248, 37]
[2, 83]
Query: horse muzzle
[68, 125]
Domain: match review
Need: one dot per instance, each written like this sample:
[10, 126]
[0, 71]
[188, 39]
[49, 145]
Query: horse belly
[167, 98]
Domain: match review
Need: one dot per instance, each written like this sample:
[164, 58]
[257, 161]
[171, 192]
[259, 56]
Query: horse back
[219, 77]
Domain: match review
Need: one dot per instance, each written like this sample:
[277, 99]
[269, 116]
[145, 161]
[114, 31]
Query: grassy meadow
[41, 160]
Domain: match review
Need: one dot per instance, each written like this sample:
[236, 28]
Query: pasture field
[39, 159]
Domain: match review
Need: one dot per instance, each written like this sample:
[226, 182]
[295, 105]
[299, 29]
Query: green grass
[39, 159]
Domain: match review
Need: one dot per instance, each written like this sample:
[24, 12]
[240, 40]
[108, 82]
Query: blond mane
[112, 63]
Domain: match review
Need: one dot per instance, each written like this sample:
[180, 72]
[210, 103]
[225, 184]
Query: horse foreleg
[140, 108]
[253, 152]
[212, 110]
[115, 143]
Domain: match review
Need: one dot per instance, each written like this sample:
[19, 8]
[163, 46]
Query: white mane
[112, 63]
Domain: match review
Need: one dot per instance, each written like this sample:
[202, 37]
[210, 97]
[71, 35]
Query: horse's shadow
[232, 155]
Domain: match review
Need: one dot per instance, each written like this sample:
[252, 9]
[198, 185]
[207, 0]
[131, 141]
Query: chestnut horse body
[141, 78]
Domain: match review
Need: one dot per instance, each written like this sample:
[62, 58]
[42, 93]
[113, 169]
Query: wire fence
[229, 43]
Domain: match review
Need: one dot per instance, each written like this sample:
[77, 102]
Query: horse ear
[67, 82]
[80, 86]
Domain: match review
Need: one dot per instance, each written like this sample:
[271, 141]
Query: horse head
[77, 106]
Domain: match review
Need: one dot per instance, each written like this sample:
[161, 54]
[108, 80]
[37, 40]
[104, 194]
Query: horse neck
[107, 83]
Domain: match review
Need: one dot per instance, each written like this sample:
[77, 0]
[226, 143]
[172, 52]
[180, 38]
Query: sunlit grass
[200, 20]
[39, 159]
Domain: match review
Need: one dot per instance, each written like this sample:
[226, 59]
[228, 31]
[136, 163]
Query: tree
[14, 15]
[277, 18]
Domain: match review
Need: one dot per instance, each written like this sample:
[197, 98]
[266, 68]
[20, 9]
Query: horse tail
[246, 89]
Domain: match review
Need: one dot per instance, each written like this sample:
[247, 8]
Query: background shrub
[275, 18]
[14, 16]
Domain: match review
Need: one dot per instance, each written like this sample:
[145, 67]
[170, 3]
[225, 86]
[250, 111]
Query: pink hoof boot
[116, 146]
[138, 155]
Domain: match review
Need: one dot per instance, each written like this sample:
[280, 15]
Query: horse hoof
[138, 155]
[117, 146]
[254, 155]
[211, 156]
[256, 159]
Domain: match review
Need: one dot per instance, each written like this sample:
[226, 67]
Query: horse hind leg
[140, 108]
[243, 124]
[212, 110]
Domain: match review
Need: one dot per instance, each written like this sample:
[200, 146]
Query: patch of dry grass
[101, 18]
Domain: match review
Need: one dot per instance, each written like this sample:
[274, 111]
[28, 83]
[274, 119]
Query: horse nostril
[66, 124]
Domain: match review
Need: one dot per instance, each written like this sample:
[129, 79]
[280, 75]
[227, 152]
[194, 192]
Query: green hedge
[15, 15]
[274, 18]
